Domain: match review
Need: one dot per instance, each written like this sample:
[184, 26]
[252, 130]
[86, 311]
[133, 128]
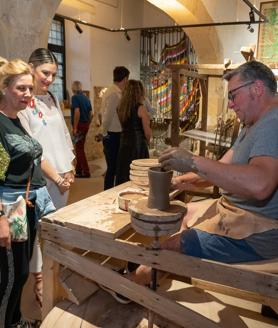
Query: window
[56, 43]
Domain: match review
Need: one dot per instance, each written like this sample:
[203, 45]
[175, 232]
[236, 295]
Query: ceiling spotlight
[250, 28]
[252, 16]
[79, 29]
[127, 36]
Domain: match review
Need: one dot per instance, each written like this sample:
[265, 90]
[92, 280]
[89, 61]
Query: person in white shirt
[44, 121]
[111, 126]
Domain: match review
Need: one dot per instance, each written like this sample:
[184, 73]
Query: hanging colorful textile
[175, 54]
[189, 104]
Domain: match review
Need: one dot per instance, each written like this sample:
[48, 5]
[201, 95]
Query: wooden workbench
[86, 237]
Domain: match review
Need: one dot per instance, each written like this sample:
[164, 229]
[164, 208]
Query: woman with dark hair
[20, 177]
[43, 119]
[136, 131]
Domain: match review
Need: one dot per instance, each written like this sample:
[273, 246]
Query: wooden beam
[225, 290]
[140, 294]
[204, 116]
[175, 103]
[52, 292]
[184, 69]
[262, 283]
[203, 70]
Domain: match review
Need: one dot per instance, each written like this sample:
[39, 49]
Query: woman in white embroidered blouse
[43, 119]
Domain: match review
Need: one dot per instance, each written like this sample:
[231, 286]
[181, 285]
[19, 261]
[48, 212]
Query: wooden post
[175, 104]
[204, 91]
[52, 292]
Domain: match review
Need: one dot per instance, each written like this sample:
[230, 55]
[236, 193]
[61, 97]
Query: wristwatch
[2, 213]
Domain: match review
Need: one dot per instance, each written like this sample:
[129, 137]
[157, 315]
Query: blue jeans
[209, 246]
[111, 144]
[41, 197]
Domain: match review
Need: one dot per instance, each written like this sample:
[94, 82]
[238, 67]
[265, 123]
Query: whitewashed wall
[92, 55]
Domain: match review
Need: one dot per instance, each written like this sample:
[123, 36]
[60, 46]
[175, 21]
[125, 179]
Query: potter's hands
[5, 236]
[177, 159]
[188, 181]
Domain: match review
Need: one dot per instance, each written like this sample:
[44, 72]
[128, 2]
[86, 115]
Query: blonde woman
[20, 158]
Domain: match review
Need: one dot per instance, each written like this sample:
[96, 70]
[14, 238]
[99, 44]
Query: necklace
[36, 111]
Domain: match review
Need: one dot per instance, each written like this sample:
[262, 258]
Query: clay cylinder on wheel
[159, 183]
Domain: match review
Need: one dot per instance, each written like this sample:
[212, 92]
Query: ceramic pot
[159, 184]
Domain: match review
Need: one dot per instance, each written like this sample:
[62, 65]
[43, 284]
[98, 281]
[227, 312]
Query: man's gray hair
[255, 70]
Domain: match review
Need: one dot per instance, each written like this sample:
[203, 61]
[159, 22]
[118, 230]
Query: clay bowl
[145, 162]
[125, 197]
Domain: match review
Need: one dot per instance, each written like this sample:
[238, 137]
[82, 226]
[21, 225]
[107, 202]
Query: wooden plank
[57, 312]
[205, 136]
[101, 310]
[203, 70]
[226, 290]
[52, 293]
[270, 266]
[274, 305]
[246, 279]
[98, 214]
[141, 295]
[225, 310]
[77, 287]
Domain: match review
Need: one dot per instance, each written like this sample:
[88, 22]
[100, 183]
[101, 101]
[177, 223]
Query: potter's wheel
[153, 222]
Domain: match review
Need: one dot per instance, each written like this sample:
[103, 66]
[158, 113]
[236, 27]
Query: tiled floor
[83, 188]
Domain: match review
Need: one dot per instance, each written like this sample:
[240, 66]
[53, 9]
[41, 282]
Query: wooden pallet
[91, 226]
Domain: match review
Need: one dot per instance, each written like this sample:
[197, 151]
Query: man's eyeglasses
[231, 93]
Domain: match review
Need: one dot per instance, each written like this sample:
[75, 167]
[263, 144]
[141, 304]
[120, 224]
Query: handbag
[17, 218]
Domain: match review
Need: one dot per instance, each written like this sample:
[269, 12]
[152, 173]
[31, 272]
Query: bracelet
[59, 181]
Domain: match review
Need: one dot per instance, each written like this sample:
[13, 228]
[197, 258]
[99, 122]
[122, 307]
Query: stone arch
[206, 44]
[24, 26]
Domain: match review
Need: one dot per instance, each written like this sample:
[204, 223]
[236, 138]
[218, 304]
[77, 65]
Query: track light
[79, 29]
[127, 36]
[250, 28]
[252, 16]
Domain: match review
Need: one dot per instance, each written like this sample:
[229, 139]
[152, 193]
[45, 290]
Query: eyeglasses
[232, 96]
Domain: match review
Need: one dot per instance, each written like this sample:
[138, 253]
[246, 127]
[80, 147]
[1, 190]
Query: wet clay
[159, 184]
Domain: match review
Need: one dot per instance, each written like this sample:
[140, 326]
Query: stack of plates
[138, 173]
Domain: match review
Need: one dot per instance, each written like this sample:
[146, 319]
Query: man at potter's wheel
[242, 225]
